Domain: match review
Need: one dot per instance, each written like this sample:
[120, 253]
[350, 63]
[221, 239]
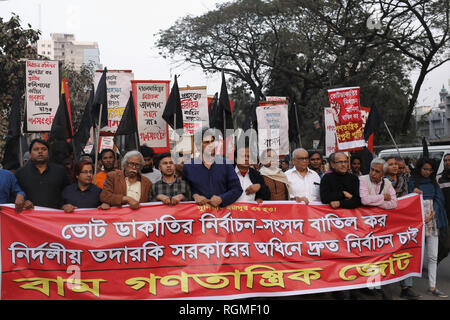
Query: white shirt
[133, 190]
[307, 186]
[154, 176]
[245, 183]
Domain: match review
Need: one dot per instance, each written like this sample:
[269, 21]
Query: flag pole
[20, 127]
[96, 145]
[390, 134]
[298, 127]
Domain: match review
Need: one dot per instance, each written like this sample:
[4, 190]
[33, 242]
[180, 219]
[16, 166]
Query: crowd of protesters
[304, 177]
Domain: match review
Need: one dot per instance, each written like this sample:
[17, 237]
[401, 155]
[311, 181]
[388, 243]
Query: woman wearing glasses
[423, 181]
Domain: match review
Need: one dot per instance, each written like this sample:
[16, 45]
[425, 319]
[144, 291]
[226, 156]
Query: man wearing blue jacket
[212, 180]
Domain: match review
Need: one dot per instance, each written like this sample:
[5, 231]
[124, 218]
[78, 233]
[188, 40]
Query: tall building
[434, 122]
[64, 47]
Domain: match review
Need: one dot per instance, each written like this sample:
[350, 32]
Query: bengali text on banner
[191, 251]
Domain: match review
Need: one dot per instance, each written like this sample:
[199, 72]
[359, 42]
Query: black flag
[212, 108]
[61, 127]
[374, 120]
[223, 119]
[100, 98]
[294, 122]
[11, 154]
[127, 129]
[173, 108]
[82, 135]
[426, 153]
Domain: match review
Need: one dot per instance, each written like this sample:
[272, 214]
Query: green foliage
[80, 84]
[16, 44]
[302, 48]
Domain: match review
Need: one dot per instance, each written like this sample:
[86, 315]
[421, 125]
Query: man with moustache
[41, 180]
[149, 171]
[127, 186]
[171, 190]
[250, 179]
[83, 193]
[107, 159]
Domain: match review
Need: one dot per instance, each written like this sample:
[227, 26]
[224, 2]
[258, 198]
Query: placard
[42, 94]
[344, 104]
[273, 128]
[150, 97]
[118, 84]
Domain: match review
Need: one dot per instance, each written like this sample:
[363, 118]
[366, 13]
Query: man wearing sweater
[339, 188]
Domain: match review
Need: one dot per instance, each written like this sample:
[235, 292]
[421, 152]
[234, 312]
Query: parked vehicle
[411, 155]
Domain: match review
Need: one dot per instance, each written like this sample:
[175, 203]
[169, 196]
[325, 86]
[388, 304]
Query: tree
[420, 31]
[80, 84]
[16, 44]
[232, 38]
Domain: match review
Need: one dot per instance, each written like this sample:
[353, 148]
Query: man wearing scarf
[274, 178]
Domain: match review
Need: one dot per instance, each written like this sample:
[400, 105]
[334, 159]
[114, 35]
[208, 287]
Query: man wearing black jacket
[339, 188]
[252, 182]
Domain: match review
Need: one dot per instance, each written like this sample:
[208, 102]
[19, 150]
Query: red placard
[190, 251]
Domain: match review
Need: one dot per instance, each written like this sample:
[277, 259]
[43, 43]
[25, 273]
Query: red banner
[190, 251]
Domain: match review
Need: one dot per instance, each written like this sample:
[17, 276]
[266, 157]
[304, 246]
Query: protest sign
[118, 84]
[273, 129]
[330, 131]
[150, 97]
[42, 94]
[344, 104]
[194, 104]
[191, 251]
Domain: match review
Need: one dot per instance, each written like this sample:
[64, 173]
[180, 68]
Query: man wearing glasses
[304, 183]
[339, 188]
[83, 193]
[127, 186]
[212, 180]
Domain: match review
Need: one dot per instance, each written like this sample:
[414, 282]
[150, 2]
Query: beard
[147, 169]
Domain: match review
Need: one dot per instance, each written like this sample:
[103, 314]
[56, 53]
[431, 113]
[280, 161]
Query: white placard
[150, 98]
[273, 128]
[42, 85]
[118, 84]
[194, 103]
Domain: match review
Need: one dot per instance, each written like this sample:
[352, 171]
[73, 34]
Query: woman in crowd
[423, 181]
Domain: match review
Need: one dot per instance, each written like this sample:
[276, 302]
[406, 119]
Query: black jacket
[257, 178]
[333, 185]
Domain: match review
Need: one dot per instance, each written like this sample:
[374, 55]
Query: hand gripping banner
[191, 252]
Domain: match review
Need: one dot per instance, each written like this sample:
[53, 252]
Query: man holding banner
[212, 181]
[127, 186]
[41, 180]
[339, 188]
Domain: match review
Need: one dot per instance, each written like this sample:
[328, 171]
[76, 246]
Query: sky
[125, 33]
